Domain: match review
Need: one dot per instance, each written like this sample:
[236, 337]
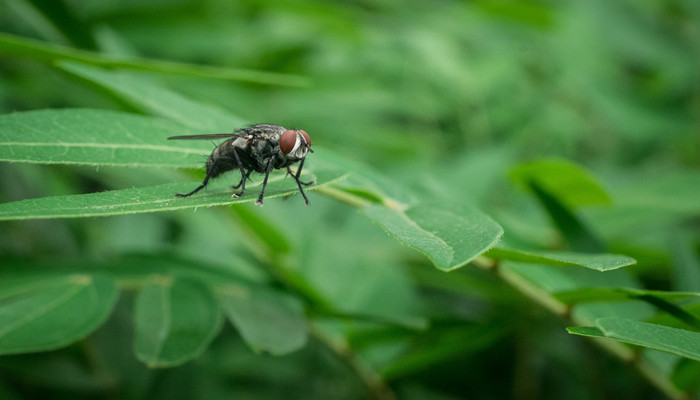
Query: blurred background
[444, 97]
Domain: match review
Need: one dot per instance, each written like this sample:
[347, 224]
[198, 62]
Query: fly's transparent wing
[204, 137]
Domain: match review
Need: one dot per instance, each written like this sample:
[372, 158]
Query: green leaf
[449, 237]
[659, 337]
[685, 271]
[590, 331]
[146, 95]
[267, 320]
[96, 137]
[570, 183]
[589, 294]
[16, 46]
[576, 233]
[659, 299]
[155, 198]
[174, 322]
[598, 262]
[40, 313]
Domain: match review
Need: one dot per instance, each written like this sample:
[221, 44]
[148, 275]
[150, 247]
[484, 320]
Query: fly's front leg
[296, 177]
[299, 182]
[267, 175]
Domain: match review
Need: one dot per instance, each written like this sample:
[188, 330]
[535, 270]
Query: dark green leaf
[267, 320]
[45, 312]
[576, 233]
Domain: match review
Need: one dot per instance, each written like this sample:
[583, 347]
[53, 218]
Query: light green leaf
[564, 180]
[174, 322]
[148, 96]
[267, 320]
[598, 262]
[96, 137]
[590, 294]
[45, 312]
[660, 299]
[449, 237]
[16, 46]
[672, 340]
[155, 198]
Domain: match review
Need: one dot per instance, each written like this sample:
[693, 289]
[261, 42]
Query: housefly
[257, 148]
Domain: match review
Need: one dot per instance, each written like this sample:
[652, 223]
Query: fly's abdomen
[221, 160]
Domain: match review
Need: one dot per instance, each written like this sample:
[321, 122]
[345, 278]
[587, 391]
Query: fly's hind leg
[244, 176]
[200, 187]
[264, 185]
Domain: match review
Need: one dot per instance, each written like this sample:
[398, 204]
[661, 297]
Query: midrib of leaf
[444, 246]
[115, 146]
[42, 310]
[443, 256]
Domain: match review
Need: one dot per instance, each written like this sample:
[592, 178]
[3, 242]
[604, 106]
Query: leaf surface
[598, 262]
[450, 238]
[174, 322]
[267, 320]
[47, 312]
[681, 342]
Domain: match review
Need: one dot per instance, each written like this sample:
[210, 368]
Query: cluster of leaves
[425, 122]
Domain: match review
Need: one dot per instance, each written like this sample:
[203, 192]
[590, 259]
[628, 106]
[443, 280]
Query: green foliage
[475, 164]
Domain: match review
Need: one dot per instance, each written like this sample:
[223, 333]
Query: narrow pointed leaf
[15, 46]
[571, 183]
[659, 337]
[147, 95]
[96, 137]
[577, 234]
[174, 322]
[45, 313]
[267, 320]
[155, 198]
[659, 299]
[598, 262]
[450, 238]
[590, 294]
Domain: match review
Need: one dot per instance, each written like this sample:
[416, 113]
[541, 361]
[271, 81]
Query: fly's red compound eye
[306, 137]
[287, 141]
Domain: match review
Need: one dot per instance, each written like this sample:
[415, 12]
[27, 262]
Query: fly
[257, 148]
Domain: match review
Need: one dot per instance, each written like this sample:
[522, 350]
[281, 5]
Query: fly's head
[294, 144]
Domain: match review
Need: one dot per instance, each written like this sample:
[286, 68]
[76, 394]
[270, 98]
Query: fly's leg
[244, 176]
[267, 175]
[296, 177]
[299, 182]
[200, 187]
